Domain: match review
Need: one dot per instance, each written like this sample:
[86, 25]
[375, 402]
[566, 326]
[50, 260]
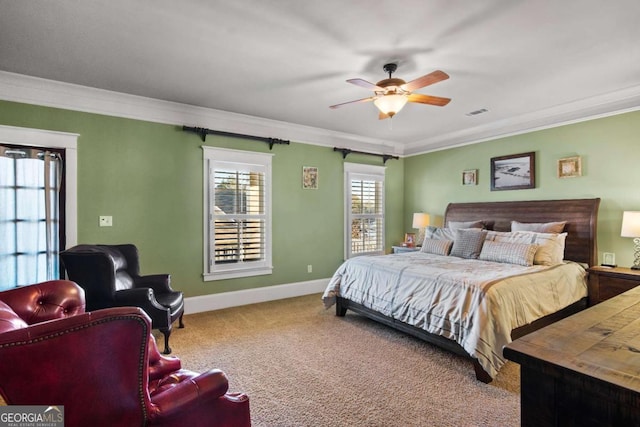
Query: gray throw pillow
[468, 243]
[455, 225]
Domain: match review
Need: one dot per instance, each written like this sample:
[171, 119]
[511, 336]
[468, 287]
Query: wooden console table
[583, 370]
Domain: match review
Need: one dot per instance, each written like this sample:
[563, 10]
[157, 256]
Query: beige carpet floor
[303, 366]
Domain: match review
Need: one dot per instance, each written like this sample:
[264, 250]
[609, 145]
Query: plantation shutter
[365, 214]
[238, 213]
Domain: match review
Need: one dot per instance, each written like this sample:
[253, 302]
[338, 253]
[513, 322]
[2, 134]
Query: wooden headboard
[581, 216]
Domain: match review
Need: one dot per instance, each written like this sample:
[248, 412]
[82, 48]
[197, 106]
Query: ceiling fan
[392, 94]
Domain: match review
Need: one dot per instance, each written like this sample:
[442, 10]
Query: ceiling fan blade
[371, 98]
[382, 116]
[365, 84]
[429, 79]
[428, 99]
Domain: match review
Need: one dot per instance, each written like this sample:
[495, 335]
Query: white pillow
[550, 245]
[438, 233]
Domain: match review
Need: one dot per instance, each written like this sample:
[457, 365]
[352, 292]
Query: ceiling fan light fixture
[390, 104]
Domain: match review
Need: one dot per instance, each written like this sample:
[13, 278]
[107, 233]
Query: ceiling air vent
[476, 112]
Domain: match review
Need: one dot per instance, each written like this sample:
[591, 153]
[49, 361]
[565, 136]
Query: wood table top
[602, 342]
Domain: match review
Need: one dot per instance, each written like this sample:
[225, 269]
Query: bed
[494, 302]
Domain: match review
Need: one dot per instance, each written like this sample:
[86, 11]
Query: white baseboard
[251, 296]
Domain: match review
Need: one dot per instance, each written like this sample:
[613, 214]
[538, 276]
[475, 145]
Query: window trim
[361, 171]
[211, 271]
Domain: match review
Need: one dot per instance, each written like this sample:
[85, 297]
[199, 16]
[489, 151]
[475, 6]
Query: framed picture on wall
[310, 177]
[514, 172]
[569, 167]
[470, 177]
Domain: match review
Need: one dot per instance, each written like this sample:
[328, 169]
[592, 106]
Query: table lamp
[420, 221]
[631, 228]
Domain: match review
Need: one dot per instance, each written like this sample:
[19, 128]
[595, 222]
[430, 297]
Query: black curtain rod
[203, 132]
[345, 152]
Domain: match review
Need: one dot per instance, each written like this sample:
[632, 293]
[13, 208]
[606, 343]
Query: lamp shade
[420, 220]
[630, 224]
[390, 104]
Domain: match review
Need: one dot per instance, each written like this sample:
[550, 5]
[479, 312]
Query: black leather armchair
[110, 277]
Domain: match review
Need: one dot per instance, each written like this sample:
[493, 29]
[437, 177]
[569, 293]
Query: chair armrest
[44, 301]
[185, 388]
[160, 283]
[160, 365]
[138, 297]
[145, 299]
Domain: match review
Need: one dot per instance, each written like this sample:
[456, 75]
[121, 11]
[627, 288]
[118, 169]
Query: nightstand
[606, 282]
[401, 249]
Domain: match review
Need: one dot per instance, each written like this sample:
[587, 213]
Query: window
[38, 203]
[364, 216]
[237, 213]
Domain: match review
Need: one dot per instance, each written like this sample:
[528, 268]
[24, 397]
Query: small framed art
[310, 177]
[470, 177]
[514, 172]
[569, 167]
[409, 240]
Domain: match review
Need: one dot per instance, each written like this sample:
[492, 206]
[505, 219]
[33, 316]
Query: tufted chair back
[50, 300]
[101, 270]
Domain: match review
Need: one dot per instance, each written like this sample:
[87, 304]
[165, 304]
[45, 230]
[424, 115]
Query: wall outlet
[106, 221]
[309, 268]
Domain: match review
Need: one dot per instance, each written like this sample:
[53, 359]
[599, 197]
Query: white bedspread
[476, 303]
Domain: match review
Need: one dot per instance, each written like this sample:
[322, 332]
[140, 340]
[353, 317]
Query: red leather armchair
[102, 366]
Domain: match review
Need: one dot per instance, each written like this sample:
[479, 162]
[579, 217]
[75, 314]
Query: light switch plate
[106, 221]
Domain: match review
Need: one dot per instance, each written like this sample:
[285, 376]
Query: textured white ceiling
[529, 63]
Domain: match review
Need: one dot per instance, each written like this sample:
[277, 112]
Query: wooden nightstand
[606, 282]
[401, 249]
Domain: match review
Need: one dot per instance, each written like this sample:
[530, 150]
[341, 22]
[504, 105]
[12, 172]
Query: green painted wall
[609, 149]
[148, 176]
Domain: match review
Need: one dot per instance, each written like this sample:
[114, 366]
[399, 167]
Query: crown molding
[50, 93]
[34, 90]
[609, 104]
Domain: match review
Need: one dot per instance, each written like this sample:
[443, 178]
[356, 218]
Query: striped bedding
[476, 303]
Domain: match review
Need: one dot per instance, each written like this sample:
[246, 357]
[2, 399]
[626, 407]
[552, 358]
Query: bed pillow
[437, 247]
[539, 227]
[484, 224]
[550, 245]
[455, 225]
[438, 233]
[468, 243]
[509, 253]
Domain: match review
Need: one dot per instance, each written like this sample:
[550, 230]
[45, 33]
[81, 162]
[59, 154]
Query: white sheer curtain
[29, 216]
